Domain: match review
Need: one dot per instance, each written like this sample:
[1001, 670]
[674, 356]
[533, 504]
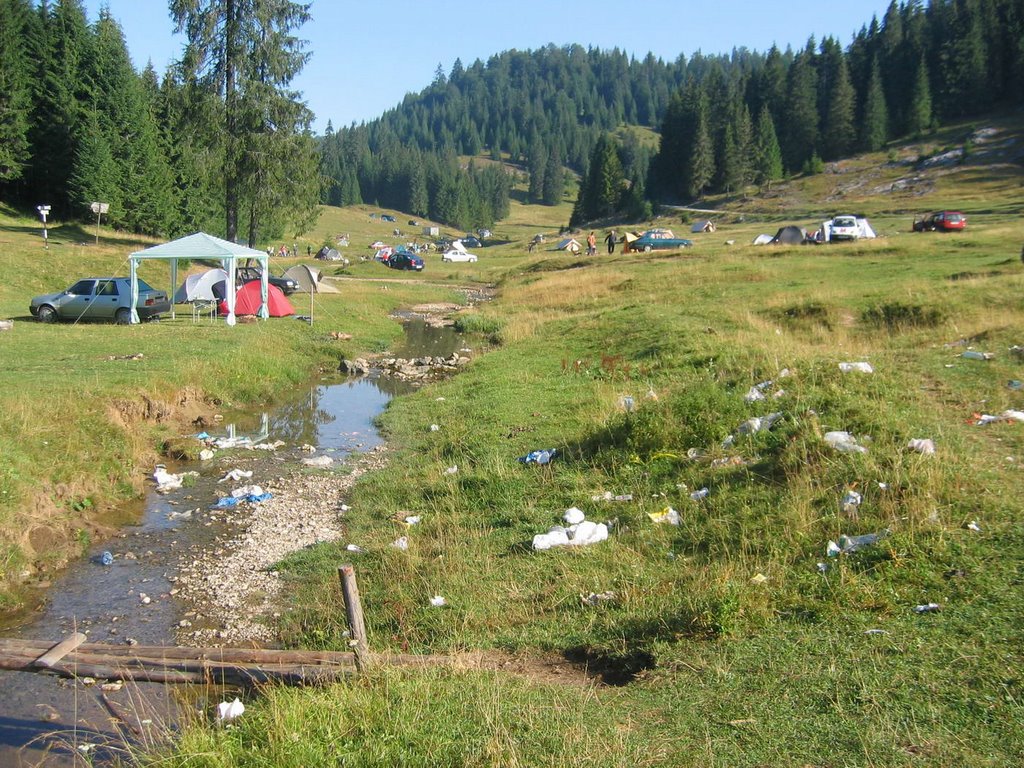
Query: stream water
[45, 721]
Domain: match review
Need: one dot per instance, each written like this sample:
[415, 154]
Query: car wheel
[647, 249]
[46, 314]
[123, 316]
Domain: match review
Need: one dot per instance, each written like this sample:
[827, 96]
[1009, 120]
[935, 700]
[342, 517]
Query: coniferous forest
[219, 141]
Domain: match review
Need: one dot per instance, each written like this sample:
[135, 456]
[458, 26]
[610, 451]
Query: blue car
[659, 240]
[405, 260]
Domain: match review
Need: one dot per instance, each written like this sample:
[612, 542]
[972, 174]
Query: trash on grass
[578, 534]
[246, 491]
[701, 494]
[354, 548]
[971, 526]
[922, 445]
[401, 543]
[844, 442]
[166, 481]
[860, 367]
[539, 457]
[850, 544]
[1015, 384]
[927, 608]
[983, 418]
[596, 598]
[608, 496]
[228, 711]
[434, 428]
[850, 504]
[438, 602]
[206, 454]
[412, 519]
[972, 354]
[875, 632]
[627, 403]
[758, 578]
[574, 516]
[452, 470]
[666, 515]
[758, 423]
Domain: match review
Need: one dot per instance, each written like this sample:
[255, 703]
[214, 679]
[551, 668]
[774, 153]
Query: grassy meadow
[729, 639]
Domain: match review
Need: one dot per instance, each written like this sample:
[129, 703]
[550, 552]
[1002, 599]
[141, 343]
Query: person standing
[591, 245]
[611, 242]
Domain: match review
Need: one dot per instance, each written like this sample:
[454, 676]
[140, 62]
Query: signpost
[44, 210]
[99, 209]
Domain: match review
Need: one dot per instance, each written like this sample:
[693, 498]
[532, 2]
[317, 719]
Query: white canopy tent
[203, 246]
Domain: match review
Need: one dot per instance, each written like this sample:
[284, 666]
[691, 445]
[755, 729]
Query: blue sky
[366, 56]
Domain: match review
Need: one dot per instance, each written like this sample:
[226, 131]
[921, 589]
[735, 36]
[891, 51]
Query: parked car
[659, 240]
[471, 242]
[249, 274]
[942, 221]
[844, 228]
[99, 298]
[458, 255]
[405, 260]
[387, 217]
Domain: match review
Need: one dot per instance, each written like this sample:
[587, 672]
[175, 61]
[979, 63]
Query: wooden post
[60, 650]
[354, 612]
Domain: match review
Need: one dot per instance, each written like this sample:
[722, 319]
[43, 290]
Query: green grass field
[726, 641]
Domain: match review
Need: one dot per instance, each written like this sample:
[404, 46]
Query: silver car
[99, 298]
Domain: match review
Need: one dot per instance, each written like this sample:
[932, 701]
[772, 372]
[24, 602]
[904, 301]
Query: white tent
[762, 239]
[199, 287]
[703, 226]
[203, 246]
[570, 245]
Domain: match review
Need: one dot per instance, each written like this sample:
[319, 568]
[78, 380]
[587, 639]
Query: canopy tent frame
[203, 246]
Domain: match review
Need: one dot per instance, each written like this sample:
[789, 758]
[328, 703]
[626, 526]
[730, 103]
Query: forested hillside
[725, 120]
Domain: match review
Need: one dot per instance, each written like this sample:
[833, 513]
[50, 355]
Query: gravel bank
[230, 584]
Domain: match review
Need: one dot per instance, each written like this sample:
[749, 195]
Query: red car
[943, 221]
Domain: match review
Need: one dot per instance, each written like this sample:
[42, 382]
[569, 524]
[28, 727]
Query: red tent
[247, 301]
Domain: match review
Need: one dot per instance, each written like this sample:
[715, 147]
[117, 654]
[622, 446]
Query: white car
[456, 255]
[844, 228]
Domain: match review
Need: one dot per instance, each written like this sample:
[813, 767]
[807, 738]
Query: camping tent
[570, 245]
[703, 226]
[327, 254]
[307, 277]
[199, 287]
[789, 235]
[762, 239]
[248, 301]
[202, 246]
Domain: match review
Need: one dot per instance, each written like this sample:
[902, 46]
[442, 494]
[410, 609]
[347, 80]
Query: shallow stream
[45, 721]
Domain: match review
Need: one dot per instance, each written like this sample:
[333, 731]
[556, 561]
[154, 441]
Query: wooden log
[354, 612]
[60, 650]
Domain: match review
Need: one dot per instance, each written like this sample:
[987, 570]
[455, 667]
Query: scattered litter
[823, 567]
[757, 392]
[850, 505]
[307, 448]
[186, 515]
[758, 578]
[235, 475]
[112, 687]
[412, 519]
[627, 403]
[729, 461]
[883, 486]
[922, 445]
[321, 462]
[856, 367]
[971, 526]
[168, 481]
[608, 496]
[574, 516]
[226, 503]
[850, 544]
[344, 507]
[875, 632]
[203, 436]
[972, 354]
[206, 454]
[759, 423]
[354, 548]
[844, 442]
[269, 446]
[105, 558]
[982, 419]
[1015, 384]
[1017, 351]
[86, 748]
[144, 598]
[651, 395]
[927, 608]
[247, 490]
[578, 534]
[438, 602]
[597, 598]
[666, 515]
[701, 494]
[228, 711]
[402, 543]
[539, 457]
[452, 470]
[434, 428]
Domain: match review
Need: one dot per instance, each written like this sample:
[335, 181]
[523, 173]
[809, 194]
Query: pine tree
[875, 128]
[919, 116]
[537, 166]
[701, 165]
[839, 134]
[800, 130]
[767, 154]
[15, 88]
[554, 179]
[246, 54]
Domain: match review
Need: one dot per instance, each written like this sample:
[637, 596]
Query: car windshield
[953, 217]
[844, 221]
